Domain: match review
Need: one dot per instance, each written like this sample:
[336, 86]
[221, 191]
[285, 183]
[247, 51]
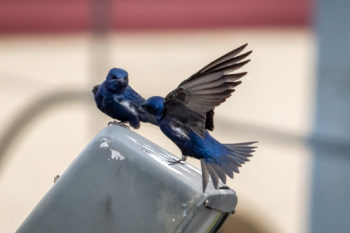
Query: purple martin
[187, 113]
[118, 100]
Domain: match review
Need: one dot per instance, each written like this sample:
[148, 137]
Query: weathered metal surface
[122, 182]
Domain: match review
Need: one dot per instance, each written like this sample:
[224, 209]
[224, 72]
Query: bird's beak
[121, 81]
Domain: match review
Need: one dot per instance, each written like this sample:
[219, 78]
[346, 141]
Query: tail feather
[241, 151]
[233, 147]
[241, 155]
[227, 169]
[213, 175]
[205, 175]
[231, 168]
[219, 172]
[238, 154]
[239, 160]
[246, 145]
[232, 162]
[242, 143]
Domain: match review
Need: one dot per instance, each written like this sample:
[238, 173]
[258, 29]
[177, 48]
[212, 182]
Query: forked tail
[238, 154]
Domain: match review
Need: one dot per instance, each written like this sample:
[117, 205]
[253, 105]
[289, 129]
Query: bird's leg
[180, 161]
[120, 123]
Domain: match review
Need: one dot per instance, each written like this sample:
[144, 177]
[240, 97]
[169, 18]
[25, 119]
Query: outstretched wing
[194, 100]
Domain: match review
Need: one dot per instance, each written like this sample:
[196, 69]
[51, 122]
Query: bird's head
[154, 105]
[117, 80]
[94, 89]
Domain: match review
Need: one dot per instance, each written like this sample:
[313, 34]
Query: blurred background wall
[294, 101]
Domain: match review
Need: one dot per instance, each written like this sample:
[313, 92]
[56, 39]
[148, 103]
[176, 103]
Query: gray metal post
[330, 210]
[122, 182]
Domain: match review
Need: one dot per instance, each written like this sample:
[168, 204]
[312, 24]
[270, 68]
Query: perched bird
[118, 100]
[186, 113]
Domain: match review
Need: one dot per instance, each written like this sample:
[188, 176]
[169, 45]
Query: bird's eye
[113, 77]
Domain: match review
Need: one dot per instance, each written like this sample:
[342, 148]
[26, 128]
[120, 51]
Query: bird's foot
[224, 187]
[180, 161]
[118, 123]
[56, 178]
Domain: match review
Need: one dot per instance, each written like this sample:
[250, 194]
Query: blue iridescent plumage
[187, 113]
[118, 100]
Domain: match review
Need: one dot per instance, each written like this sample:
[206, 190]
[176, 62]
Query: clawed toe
[180, 161]
[112, 123]
[118, 123]
[224, 187]
[56, 178]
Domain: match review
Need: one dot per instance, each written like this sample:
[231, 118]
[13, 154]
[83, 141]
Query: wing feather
[206, 89]
[222, 59]
[225, 79]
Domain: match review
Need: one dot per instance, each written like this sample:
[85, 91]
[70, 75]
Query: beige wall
[274, 102]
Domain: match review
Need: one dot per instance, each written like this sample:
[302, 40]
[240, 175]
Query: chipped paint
[114, 153]
[104, 145]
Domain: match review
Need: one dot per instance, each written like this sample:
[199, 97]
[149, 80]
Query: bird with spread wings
[187, 113]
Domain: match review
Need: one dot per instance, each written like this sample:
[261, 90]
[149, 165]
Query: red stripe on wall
[78, 15]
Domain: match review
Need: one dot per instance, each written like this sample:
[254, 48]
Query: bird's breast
[129, 107]
[174, 132]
